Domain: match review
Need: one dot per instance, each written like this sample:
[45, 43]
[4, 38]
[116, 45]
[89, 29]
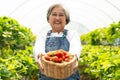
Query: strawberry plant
[16, 51]
[103, 36]
[100, 62]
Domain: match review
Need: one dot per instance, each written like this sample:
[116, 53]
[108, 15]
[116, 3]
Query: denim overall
[55, 43]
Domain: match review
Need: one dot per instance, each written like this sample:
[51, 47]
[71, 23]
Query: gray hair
[65, 11]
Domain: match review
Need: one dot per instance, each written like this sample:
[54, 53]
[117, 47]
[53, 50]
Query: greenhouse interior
[96, 21]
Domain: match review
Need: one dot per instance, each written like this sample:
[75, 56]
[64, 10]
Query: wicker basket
[58, 70]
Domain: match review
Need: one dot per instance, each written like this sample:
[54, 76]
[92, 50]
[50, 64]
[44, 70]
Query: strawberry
[59, 55]
[59, 60]
[63, 57]
[54, 59]
[67, 56]
[47, 57]
[63, 52]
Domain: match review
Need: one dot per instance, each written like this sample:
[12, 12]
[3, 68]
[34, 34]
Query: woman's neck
[57, 31]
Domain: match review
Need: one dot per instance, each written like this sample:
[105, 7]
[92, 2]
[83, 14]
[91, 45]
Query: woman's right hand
[39, 61]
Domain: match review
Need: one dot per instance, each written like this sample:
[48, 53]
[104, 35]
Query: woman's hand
[76, 63]
[39, 61]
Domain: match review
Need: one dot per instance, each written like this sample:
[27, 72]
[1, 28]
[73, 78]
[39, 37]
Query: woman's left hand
[76, 65]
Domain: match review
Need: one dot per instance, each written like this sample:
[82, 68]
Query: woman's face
[57, 19]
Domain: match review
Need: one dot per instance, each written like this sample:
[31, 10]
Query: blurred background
[86, 15]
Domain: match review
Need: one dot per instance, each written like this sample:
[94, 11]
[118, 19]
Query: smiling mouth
[57, 23]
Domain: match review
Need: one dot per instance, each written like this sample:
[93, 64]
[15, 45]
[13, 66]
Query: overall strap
[49, 33]
[65, 32]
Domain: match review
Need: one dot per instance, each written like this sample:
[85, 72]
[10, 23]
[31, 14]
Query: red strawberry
[64, 53]
[59, 60]
[54, 59]
[63, 57]
[47, 57]
[67, 56]
[59, 55]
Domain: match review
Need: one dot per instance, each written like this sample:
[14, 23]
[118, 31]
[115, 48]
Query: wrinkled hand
[75, 65]
[39, 61]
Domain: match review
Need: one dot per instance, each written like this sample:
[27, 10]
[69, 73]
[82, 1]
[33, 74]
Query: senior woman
[57, 38]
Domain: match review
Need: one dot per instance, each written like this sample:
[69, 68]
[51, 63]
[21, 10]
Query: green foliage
[100, 57]
[22, 64]
[14, 35]
[104, 36]
[100, 62]
[16, 51]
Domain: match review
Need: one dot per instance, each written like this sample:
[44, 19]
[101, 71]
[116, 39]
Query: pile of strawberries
[58, 56]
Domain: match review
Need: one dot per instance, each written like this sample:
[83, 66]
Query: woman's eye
[61, 15]
[54, 14]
